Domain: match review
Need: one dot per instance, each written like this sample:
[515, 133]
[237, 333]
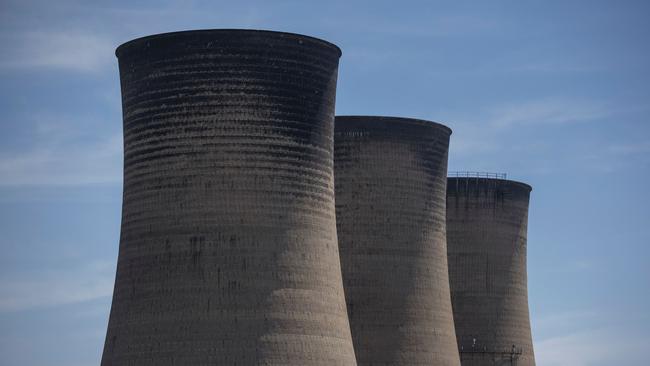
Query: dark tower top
[202, 40]
[228, 251]
[486, 238]
[390, 206]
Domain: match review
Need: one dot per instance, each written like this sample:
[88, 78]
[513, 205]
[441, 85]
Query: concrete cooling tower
[486, 236]
[228, 252]
[390, 205]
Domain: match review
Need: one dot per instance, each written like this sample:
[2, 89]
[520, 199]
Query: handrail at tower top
[471, 174]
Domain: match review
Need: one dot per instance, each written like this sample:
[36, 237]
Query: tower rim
[122, 48]
[515, 183]
[370, 119]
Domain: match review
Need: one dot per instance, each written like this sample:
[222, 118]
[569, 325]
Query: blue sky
[555, 93]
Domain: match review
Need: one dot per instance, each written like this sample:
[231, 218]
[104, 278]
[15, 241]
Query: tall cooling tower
[486, 235]
[228, 251]
[390, 206]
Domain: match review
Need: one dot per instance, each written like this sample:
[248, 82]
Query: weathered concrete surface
[390, 204]
[486, 234]
[228, 252]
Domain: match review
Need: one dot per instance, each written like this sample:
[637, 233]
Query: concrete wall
[486, 238]
[390, 205]
[228, 251]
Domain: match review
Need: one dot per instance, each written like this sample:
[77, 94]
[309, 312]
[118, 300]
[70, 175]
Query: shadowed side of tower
[228, 251]
[486, 234]
[390, 204]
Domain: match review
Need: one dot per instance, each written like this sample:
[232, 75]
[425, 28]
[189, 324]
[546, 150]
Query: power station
[257, 230]
[391, 178]
[487, 219]
[228, 252]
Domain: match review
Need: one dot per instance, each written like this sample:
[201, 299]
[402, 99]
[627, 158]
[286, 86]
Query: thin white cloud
[64, 150]
[84, 37]
[64, 165]
[490, 139]
[70, 50]
[573, 266]
[469, 146]
[631, 148]
[23, 291]
[552, 111]
[437, 26]
[487, 130]
[553, 66]
[600, 347]
[471, 136]
[564, 320]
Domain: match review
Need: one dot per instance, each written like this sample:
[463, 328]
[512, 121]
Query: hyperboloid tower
[487, 221]
[391, 179]
[228, 251]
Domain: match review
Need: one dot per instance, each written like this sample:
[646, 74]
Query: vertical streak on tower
[486, 234]
[390, 205]
[228, 250]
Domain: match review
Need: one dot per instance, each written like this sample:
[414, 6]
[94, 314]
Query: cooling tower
[228, 251]
[390, 206]
[486, 235]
